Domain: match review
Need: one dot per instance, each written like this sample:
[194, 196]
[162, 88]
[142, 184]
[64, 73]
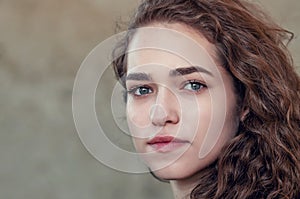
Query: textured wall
[42, 44]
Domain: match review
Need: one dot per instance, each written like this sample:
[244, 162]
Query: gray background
[42, 44]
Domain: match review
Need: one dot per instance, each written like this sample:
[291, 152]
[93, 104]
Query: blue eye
[139, 91]
[194, 86]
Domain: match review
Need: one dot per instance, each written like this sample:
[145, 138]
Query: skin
[182, 106]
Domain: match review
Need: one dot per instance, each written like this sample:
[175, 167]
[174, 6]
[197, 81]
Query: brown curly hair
[263, 160]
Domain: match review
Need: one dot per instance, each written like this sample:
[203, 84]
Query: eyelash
[133, 90]
[202, 85]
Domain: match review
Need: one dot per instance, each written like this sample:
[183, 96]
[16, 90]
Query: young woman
[240, 76]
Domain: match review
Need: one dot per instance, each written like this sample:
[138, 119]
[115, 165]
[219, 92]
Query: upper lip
[164, 139]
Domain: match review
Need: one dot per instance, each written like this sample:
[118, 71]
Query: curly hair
[263, 159]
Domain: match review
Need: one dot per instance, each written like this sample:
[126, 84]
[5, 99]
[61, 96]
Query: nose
[166, 108]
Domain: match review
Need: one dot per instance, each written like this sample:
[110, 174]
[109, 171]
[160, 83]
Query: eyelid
[194, 81]
[134, 88]
[136, 83]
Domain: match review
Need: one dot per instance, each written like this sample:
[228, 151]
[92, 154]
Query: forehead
[170, 45]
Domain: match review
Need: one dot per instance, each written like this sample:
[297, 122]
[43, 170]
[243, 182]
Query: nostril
[158, 114]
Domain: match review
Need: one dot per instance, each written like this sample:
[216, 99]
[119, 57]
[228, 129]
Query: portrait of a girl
[212, 98]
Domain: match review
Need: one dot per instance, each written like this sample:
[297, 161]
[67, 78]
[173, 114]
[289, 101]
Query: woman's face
[181, 105]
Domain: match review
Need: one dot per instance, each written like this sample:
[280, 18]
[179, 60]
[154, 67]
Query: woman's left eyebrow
[188, 70]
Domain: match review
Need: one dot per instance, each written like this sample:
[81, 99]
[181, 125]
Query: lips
[166, 143]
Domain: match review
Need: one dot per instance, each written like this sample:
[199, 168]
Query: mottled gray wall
[42, 44]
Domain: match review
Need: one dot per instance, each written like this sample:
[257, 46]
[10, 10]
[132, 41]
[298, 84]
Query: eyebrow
[188, 70]
[173, 73]
[138, 77]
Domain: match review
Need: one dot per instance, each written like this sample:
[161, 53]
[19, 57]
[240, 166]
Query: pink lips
[166, 143]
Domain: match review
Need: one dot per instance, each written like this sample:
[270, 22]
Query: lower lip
[167, 146]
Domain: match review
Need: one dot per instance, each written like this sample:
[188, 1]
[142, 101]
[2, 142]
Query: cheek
[196, 119]
[138, 120]
[222, 127]
[138, 114]
[211, 124]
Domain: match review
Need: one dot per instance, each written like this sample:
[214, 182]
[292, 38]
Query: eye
[194, 86]
[140, 91]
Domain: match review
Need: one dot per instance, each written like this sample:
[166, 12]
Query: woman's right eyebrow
[139, 77]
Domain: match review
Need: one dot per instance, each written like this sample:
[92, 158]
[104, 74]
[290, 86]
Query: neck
[182, 188]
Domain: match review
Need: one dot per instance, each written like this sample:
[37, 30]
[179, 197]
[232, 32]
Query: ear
[244, 114]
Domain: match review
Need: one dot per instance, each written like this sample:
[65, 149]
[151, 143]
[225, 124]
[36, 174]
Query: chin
[176, 172]
[168, 176]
